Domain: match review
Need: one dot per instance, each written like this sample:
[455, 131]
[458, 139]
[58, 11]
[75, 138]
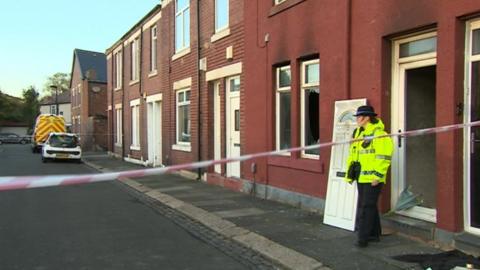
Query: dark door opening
[420, 170]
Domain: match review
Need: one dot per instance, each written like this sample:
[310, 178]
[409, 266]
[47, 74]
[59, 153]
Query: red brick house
[194, 80]
[179, 74]
[415, 62]
[88, 86]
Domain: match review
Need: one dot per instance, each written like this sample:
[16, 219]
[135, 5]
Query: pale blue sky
[38, 36]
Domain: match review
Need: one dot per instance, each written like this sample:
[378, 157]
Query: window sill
[134, 82]
[117, 89]
[118, 145]
[308, 156]
[153, 74]
[309, 165]
[220, 34]
[182, 147]
[180, 54]
[135, 148]
[283, 6]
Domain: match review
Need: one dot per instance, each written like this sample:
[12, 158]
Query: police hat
[365, 111]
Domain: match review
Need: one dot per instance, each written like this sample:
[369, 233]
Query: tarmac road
[97, 226]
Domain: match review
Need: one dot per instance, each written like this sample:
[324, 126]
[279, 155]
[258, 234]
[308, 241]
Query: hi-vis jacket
[374, 155]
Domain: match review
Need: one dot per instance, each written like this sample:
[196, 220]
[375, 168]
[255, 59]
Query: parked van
[44, 125]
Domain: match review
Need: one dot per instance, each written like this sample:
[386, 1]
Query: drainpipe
[123, 99]
[140, 89]
[349, 50]
[112, 112]
[199, 111]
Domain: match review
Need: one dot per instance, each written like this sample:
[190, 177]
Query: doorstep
[409, 226]
[468, 243]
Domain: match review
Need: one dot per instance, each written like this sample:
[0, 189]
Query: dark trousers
[368, 219]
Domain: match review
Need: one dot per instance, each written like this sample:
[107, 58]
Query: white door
[472, 134]
[155, 133]
[217, 130]
[233, 125]
[414, 107]
[341, 201]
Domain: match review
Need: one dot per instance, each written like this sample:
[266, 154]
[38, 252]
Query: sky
[38, 36]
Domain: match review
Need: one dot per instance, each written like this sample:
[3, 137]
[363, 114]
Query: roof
[91, 61]
[62, 99]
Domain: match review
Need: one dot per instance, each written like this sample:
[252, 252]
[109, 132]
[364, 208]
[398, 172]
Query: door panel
[233, 125]
[341, 201]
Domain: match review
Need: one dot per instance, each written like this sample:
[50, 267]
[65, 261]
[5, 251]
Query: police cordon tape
[27, 182]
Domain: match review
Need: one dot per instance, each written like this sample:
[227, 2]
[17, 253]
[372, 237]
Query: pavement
[290, 237]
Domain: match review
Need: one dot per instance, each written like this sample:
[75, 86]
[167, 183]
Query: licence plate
[61, 156]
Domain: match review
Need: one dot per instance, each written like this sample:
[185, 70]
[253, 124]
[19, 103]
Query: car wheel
[44, 159]
[1, 142]
[79, 161]
[23, 142]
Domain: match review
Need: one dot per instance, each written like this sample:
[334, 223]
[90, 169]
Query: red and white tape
[26, 182]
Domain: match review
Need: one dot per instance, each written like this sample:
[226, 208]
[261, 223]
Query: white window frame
[185, 29]
[177, 106]
[118, 70]
[279, 90]
[153, 49]
[277, 2]
[118, 117]
[53, 109]
[135, 57]
[303, 87]
[225, 27]
[135, 112]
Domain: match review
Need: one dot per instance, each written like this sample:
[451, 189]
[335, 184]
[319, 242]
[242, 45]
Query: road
[97, 226]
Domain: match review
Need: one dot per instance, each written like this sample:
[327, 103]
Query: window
[118, 114]
[135, 45]
[416, 47]
[153, 49]
[221, 15]
[310, 94]
[283, 108]
[53, 109]
[182, 24]
[118, 70]
[183, 116]
[135, 126]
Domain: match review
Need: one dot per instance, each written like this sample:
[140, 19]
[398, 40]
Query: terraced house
[309, 63]
[196, 80]
[175, 85]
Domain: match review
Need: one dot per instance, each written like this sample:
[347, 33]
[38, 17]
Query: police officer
[368, 164]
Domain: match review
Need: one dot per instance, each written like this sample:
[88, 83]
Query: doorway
[233, 125]
[154, 115]
[414, 107]
[472, 134]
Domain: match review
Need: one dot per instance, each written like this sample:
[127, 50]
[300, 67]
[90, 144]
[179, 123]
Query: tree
[31, 107]
[62, 80]
[10, 108]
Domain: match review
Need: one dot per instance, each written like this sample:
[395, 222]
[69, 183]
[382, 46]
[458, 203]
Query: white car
[61, 146]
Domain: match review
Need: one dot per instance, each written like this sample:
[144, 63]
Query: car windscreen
[64, 141]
